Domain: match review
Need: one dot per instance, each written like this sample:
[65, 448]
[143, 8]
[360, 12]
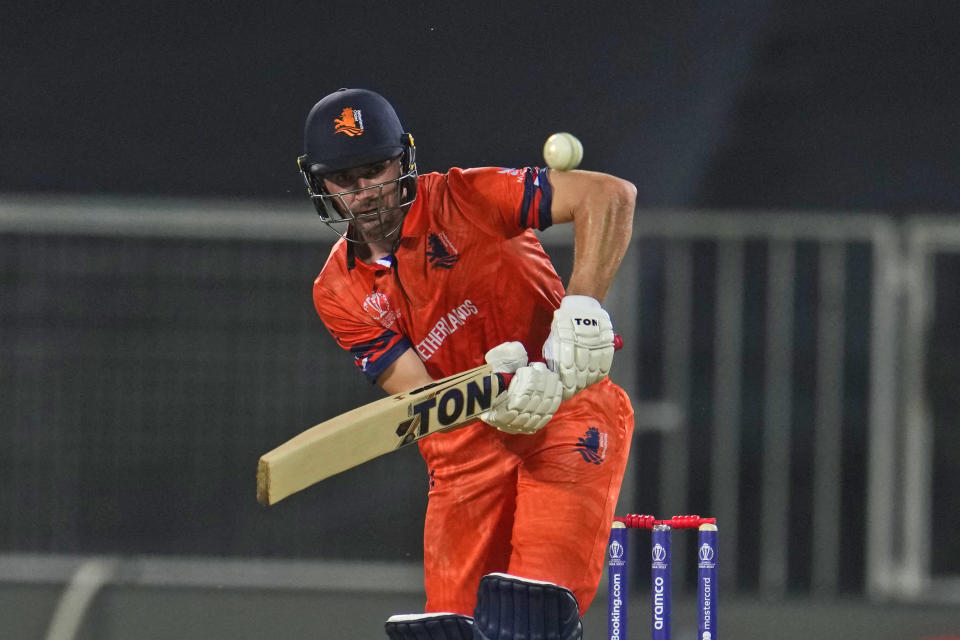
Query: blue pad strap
[510, 607]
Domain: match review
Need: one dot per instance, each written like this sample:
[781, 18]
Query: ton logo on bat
[452, 407]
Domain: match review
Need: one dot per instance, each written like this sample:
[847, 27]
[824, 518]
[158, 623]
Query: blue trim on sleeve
[529, 191]
[375, 356]
[535, 180]
[546, 200]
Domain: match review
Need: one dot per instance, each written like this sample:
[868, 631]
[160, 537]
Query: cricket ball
[562, 151]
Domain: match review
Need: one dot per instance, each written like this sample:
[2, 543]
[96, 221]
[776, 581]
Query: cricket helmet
[351, 128]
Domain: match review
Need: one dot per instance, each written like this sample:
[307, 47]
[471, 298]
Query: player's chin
[378, 227]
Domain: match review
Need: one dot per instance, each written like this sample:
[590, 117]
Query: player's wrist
[577, 302]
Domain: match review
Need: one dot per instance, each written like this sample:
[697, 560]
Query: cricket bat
[374, 429]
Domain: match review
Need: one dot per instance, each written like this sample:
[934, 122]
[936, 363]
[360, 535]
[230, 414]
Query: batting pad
[429, 626]
[510, 607]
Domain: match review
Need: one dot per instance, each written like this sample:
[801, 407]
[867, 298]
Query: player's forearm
[405, 373]
[603, 224]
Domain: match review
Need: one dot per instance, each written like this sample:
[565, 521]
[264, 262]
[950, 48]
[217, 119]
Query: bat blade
[374, 429]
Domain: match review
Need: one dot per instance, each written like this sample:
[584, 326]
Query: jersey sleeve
[373, 347]
[505, 201]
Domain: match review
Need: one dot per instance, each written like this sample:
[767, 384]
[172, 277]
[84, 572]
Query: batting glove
[580, 345]
[532, 397]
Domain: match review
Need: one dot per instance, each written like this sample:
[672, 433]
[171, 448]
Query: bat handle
[506, 377]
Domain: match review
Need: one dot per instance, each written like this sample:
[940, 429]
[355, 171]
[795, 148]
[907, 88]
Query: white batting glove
[507, 357]
[531, 399]
[580, 345]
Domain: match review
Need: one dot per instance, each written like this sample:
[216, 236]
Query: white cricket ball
[562, 151]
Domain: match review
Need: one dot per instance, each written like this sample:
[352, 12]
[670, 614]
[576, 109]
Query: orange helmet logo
[350, 122]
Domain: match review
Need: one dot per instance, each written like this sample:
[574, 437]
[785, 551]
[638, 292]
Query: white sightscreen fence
[758, 329]
[151, 351]
[801, 372]
[925, 563]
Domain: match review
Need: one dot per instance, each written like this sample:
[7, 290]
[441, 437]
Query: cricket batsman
[438, 273]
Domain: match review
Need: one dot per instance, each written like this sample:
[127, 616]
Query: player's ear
[408, 168]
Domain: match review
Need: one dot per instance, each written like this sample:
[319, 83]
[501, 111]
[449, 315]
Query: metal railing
[774, 240]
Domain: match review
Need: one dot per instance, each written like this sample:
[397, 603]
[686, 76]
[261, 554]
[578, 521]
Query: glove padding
[580, 345]
[531, 399]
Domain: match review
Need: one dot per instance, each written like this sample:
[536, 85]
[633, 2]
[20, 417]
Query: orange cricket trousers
[537, 506]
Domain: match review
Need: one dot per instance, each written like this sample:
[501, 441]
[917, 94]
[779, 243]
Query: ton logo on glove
[581, 343]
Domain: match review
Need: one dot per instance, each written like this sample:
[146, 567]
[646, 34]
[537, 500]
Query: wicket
[660, 586]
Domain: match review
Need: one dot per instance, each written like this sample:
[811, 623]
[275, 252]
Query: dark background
[759, 103]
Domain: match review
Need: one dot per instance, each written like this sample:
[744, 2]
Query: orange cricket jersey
[468, 275]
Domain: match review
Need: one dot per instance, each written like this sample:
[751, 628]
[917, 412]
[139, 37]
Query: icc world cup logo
[706, 553]
[658, 553]
[377, 305]
[616, 550]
